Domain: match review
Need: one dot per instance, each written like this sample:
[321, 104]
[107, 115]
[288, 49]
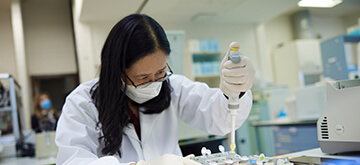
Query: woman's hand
[236, 77]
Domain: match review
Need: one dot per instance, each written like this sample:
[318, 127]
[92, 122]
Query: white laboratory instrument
[338, 125]
[233, 105]
[262, 160]
[221, 158]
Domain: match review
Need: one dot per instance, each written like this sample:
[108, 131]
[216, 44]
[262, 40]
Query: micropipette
[233, 105]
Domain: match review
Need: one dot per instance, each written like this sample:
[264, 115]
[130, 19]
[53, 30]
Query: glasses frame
[166, 76]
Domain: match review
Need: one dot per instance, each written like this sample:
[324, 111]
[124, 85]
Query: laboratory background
[306, 56]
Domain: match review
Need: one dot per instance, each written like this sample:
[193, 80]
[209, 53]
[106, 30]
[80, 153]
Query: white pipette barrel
[233, 105]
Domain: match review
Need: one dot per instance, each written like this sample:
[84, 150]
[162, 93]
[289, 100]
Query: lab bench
[27, 160]
[193, 146]
[316, 152]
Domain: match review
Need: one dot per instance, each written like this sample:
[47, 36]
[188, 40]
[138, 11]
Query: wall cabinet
[206, 68]
[205, 59]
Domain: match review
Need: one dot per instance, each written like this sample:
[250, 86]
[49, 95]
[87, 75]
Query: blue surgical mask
[46, 104]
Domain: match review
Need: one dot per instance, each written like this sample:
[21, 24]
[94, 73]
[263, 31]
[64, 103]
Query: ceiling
[204, 11]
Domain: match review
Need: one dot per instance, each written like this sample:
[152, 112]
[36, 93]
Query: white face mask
[143, 94]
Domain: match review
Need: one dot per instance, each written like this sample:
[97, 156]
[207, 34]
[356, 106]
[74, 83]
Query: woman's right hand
[168, 159]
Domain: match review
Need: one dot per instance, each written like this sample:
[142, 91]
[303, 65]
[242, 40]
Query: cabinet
[205, 61]
[288, 136]
[206, 68]
[11, 113]
[294, 138]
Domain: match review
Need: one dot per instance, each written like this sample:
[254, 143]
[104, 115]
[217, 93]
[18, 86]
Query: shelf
[283, 122]
[5, 109]
[201, 57]
[207, 76]
[206, 53]
[15, 112]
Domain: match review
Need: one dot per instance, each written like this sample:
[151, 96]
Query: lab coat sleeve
[207, 108]
[77, 135]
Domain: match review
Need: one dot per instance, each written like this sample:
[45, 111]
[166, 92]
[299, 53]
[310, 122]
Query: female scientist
[129, 115]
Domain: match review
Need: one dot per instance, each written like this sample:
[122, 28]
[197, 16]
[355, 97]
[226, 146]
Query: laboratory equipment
[233, 105]
[321, 160]
[262, 160]
[338, 125]
[310, 101]
[258, 159]
[222, 158]
[45, 145]
[11, 116]
[336, 58]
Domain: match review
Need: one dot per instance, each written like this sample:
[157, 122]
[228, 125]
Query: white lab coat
[193, 102]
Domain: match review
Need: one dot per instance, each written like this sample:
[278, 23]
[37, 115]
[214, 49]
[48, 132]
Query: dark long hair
[132, 38]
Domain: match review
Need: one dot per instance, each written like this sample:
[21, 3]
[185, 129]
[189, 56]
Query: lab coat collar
[131, 133]
[147, 122]
[133, 138]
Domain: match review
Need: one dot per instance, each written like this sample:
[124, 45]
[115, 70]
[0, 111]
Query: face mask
[46, 104]
[143, 94]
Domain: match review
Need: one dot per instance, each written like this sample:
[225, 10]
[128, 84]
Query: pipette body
[233, 104]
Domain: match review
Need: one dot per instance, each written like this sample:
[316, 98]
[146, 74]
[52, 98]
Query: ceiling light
[319, 3]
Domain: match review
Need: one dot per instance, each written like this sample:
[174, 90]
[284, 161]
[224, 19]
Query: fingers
[190, 156]
[229, 69]
[236, 80]
[240, 88]
[236, 77]
[229, 64]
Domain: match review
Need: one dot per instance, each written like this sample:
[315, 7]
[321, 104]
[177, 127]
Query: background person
[45, 116]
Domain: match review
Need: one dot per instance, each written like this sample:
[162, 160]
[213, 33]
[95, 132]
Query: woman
[45, 116]
[129, 115]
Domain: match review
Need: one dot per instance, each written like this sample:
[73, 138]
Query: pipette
[233, 105]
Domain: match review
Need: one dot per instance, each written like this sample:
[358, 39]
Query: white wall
[277, 31]
[242, 33]
[99, 32]
[36, 39]
[86, 54]
[225, 33]
[351, 19]
[327, 27]
[257, 41]
[20, 59]
[48, 37]
[7, 54]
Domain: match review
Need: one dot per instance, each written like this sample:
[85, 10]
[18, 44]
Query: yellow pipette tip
[232, 148]
[234, 48]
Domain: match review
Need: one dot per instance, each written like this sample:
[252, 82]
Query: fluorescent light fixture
[319, 3]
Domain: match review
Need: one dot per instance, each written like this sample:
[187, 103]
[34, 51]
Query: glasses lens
[166, 76]
[168, 73]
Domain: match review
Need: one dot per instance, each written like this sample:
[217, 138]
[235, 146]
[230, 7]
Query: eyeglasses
[166, 76]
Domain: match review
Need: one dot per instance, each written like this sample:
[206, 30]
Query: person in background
[45, 116]
[129, 115]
